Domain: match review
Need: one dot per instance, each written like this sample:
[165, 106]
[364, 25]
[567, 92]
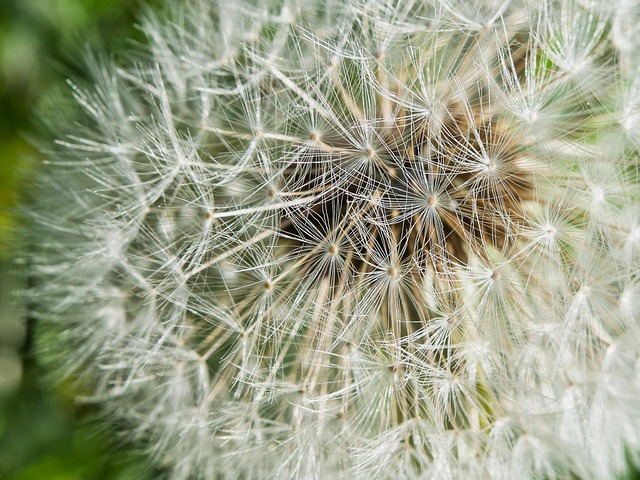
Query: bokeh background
[43, 434]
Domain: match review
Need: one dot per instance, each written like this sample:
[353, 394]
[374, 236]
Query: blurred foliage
[44, 436]
[39, 40]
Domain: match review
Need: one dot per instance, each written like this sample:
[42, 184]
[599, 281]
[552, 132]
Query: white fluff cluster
[355, 239]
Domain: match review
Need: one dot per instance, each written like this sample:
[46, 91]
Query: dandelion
[354, 239]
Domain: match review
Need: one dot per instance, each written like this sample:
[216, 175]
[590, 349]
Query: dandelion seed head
[354, 239]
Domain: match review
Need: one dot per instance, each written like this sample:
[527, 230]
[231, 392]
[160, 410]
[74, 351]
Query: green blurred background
[43, 436]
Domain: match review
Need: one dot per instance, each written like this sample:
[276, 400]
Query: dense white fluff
[354, 239]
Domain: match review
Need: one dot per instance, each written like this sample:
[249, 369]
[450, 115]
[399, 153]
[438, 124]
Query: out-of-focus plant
[39, 434]
[353, 239]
